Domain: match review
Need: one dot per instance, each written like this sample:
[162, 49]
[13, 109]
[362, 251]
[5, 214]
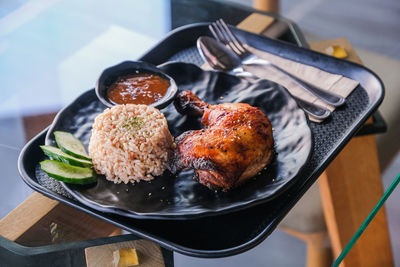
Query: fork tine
[215, 32]
[227, 39]
[232, 36]
[220, 36]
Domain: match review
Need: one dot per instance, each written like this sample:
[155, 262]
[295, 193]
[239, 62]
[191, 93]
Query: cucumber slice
[58, 154]
[71, 145]
[68, 173]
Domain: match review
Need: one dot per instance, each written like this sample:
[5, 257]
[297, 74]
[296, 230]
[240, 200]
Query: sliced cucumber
[58, 154]
[68, 173]
[71, 145]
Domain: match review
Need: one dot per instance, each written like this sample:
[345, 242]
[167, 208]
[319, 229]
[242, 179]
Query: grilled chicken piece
[235, 146]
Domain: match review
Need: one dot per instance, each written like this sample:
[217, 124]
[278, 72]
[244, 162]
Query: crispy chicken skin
[236, 144]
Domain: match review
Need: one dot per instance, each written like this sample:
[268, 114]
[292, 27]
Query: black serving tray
[233, 233]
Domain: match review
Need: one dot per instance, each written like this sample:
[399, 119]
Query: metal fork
[222, 33]
[314, 110]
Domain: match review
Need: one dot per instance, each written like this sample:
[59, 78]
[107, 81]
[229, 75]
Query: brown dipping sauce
[140, 88]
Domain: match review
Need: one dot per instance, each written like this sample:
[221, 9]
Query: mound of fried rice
[130, 143]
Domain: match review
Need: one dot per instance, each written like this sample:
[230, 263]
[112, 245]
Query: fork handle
[314, 110]
[245, 74]
[328, 97]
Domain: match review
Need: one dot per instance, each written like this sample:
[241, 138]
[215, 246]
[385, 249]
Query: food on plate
[68, 173]
[70, 145]
[130, 143]
[139, 88]
[58, 154]
[65, 167]
[236, 145]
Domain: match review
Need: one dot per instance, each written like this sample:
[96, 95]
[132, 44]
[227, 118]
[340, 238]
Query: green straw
[367, 221]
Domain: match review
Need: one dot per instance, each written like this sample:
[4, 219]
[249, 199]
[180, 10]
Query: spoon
[219, 57]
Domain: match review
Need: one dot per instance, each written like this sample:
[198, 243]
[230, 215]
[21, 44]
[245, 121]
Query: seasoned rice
[130, 143]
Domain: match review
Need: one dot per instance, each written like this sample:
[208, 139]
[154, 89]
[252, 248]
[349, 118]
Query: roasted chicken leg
[236, 144]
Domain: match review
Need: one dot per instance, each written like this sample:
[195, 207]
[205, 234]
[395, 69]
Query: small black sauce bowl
[111, 74]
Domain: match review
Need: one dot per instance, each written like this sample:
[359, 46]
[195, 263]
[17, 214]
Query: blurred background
[106, 38]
